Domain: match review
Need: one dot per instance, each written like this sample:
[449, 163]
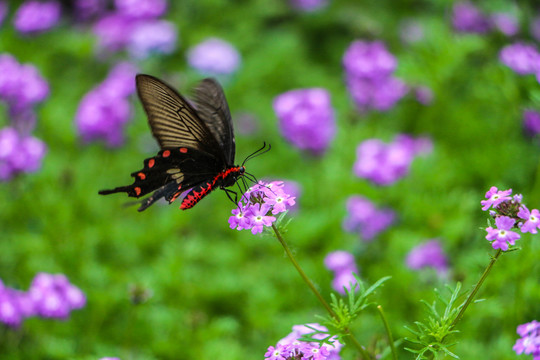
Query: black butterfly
[197, 145]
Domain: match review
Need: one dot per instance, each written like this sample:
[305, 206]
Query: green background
[220, 293]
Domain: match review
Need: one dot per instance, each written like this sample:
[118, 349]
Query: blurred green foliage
[219, 293]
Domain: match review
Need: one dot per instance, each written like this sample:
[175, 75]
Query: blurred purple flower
[49, 296]
[114, 32]
[424, 95]
[3, 11]
[21, 85]
[468, 19]
[339, 260]
[368, 75]
[369, 60]
[506, 23]
[428, 254]
[535, 28]
[384, 164]
[309, 5]
[37, 16]
[522, 58]
[529, 343]
[214, 57]
[87, 9]
[343, 265]
[19, 153]
[365, 219]
[104, 111]
[141, 9]
[531, 122]
[246, 123]
[306, 118]
[156, 36]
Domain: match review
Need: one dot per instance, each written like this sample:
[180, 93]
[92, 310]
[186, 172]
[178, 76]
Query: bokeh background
[172, 284]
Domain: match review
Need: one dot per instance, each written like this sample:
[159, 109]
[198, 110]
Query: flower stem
[388, 332]
[363, 353]
[476, 288]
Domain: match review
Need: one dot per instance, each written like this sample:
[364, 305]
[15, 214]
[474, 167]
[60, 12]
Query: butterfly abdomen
[225, 178]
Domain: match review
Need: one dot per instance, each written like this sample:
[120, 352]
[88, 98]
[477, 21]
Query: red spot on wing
[183, 150]
[137, 190]
[141, 175]
[166, 153]
[151, 163]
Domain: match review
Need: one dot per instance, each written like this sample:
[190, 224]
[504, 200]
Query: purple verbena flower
[369, 60]
[214, 56]
[495, 197]
[19, 153]
[532, 220]
[36, 16]
[306, 118]
[428, 254]
[501, 236]
[141, 9]
[368, 75]
[339, 260]
[114, 31]
[89, 9]
[529, 343]
[156, 36]
[9, 310]
[468, 19]
[257, 206]
[309, 5]
[291, 342]
[384, 164]
[505, 23]
[104, 111]
[364, 218]
[531, 122]
[522, 58]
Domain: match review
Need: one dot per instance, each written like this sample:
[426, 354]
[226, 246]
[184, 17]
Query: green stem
[355, 342]
[388, 332]
[476, 288]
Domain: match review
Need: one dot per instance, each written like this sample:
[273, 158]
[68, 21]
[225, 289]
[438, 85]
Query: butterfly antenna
[261, 151]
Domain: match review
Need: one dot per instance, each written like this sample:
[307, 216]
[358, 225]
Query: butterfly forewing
[213, 109]
[173, 120]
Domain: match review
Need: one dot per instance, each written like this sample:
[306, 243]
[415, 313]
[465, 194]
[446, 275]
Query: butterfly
[197, 145]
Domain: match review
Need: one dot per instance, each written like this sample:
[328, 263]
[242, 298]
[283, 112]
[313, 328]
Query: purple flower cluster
[214, 57]
[258, 205]
[34, 17]
[290, 348]
[135, 26]
[467, 18]
[523, 58]
[369, 69]
[343, 265]
[49, 296]
[19, 153]
[306, 118]
[531, 122]
[104, 111]
[529, 343]
[428, 254]
[509, 213]
[384, 164]
[21, 88]
[365, 219]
